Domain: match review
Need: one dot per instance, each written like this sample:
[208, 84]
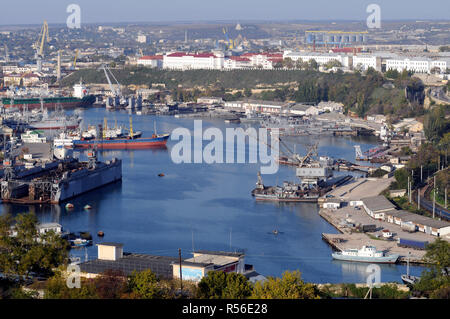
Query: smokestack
[58, 68]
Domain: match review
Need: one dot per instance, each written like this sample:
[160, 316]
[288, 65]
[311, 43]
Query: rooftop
[160, 265]
[377, 203]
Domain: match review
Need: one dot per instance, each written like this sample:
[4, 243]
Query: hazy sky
[92, 11]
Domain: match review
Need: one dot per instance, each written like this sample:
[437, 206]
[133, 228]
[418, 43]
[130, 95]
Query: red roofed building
[186, 61]
[153, 61]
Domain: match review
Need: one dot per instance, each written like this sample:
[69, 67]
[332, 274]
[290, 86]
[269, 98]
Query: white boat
[368, 254]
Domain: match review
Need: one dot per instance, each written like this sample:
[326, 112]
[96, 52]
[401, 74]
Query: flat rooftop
[161, 266]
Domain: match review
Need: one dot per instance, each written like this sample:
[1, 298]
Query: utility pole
[181, 273]
[445, 197]
[434, 197]
[418, 198]
[409, 192]
[421, 173]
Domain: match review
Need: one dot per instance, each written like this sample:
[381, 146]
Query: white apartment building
[418, 65]
[364, 62]
[153, 61]
[320, 58]
[253, 60]
[186, 61]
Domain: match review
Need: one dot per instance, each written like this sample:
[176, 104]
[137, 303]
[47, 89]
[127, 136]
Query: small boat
[161, 175]
[79, 242]
[87, 207]
[100, 234]
[69, 206]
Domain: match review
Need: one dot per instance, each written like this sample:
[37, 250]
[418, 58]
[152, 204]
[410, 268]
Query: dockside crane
[39, 45]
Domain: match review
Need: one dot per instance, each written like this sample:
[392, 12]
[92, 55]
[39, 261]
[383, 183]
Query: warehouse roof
[377, 203]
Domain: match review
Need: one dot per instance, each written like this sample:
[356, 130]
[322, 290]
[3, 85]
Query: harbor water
[208, 207]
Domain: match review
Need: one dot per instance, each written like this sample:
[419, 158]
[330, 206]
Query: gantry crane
[39, 44]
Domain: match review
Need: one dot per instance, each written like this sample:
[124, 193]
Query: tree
[221, 285]
[401, 176]
[435, 283]
[28, 251]
[438, 254]
[111, 284]
[144, 284]
[435, 124]
[247, 92]
[290, 286]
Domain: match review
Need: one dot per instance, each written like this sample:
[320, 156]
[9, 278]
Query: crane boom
[115, 91]
[43, 35]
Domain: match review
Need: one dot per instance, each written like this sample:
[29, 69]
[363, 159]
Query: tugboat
[367, 254]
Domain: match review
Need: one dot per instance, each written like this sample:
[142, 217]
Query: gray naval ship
[58, 180]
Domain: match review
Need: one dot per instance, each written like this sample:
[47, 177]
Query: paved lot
[362, 187]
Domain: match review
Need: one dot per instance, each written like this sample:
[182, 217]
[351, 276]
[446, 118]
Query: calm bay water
[209, 207]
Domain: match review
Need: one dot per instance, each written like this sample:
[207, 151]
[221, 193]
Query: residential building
[364, 62]
[153, 61]
[417, 64]
[186, 61]
[320, 58]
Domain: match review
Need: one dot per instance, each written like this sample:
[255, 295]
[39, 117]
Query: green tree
[28, 251]
[144, 284]
[435, 282]
[401, 176]
[221, 285]
[247, 92]
[436, 125]
[290, 286]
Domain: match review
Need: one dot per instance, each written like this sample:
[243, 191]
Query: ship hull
[49, 103]
[276, 199]
[123, 143]
[391, 259]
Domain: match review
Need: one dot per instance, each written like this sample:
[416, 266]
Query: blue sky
[54, 11]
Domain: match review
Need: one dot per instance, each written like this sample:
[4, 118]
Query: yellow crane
[43, 36]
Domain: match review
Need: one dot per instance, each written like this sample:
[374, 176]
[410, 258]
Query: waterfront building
[422, 223]
[112, 257]
[197, 267]
[377, 206]
[209, 100]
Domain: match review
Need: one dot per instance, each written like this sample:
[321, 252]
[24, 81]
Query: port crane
[115, 88]
[74, 63]
[39, 44]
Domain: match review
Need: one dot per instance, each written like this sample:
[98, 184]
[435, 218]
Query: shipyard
[224, 159]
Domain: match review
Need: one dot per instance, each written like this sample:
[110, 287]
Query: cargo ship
[124, 142]
[367, 254]
[29, 99]
[115, 138]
